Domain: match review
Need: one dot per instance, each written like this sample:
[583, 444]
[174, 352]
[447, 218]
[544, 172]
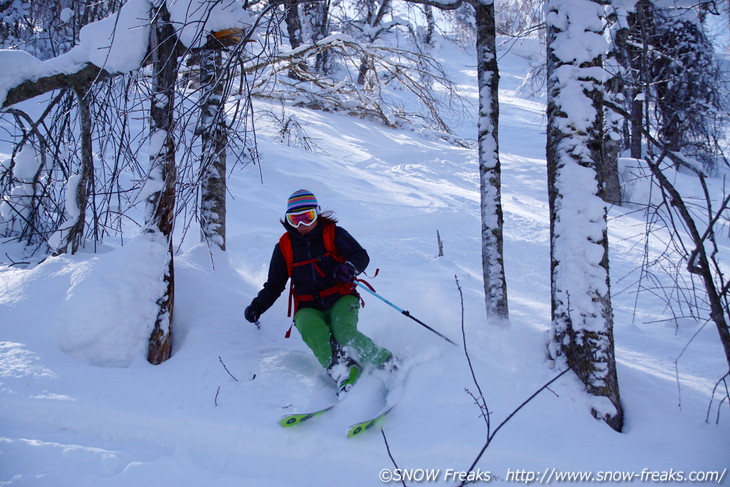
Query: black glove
[345, 272]
[252, 313]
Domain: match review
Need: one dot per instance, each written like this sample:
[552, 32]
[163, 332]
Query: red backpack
[328, 234]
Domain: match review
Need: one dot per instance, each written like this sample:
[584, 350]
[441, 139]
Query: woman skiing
[322, 261]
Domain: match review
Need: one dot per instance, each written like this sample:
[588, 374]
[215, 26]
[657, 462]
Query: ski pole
[402, 311]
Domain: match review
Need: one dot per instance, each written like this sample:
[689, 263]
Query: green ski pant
[321, 330]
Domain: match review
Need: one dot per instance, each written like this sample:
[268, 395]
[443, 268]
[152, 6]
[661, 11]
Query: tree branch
[28, 89]
[441, 4]
[496, 430]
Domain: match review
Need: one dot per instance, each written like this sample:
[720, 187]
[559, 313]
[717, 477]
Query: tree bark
[316, 15]
[582, 317]
[214, 141]
[495, 283]
[84, 187]
[609, 169]
[614, 122]
[293, 23]
[160, 210]
[373, 20]
[83, 78]
[639, 62]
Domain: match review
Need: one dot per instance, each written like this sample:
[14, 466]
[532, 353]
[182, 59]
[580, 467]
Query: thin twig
[224, 366]
[387, 448]
[496, 430]
[483, 404]
[722, 380]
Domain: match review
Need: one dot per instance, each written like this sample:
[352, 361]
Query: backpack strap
[285, 245]
[288, 253]
[328, 234]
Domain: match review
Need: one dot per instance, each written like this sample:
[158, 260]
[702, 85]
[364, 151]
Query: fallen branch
[229, 372]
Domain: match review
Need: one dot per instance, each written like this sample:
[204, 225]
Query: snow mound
[111, 303]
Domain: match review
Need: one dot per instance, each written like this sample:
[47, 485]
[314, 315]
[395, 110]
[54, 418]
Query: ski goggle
[304, 217]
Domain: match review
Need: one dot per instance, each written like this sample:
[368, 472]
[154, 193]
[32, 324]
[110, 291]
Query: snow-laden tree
[214, 142]
[48, 28]
[614, 137]
[490, 172]
[686, 78]
[140, 33]
[581, 335]
[670, 78]
[495, 282]
[160, 208]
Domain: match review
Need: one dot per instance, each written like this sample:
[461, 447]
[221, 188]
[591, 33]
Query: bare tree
[700, 251]
[160, 211]
[85, 179]
[213, 133]
[694, 225]
[495, 282]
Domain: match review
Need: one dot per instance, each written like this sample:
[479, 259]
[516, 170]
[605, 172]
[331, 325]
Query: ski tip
[293, 419]
[359, 428]
[363, 426]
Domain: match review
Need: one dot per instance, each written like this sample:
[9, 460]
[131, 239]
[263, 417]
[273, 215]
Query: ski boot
[345, 374]
[390, 365]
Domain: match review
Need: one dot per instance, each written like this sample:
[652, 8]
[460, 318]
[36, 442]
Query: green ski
[394, 385]
[344, 386]
[363, 426]
[297, 418]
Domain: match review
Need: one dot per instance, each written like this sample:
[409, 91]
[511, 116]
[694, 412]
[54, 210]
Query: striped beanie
[301, 200]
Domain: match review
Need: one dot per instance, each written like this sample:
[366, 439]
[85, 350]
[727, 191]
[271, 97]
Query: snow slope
[80, 406]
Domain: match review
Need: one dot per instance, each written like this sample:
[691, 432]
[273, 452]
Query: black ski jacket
[306, 280]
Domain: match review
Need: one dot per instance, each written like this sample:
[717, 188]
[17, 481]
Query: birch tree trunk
[293, 23]
[372, 21]
[294, 30]
[160, 209]
[214, 141]
[495, 283]
[490, 179]
[638, 51]
[616, 90]
[316, 15]
[83, 186]
[582, 317]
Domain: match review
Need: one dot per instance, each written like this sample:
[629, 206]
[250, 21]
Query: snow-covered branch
[114, 45]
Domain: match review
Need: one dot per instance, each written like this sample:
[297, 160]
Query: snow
[132, 280]
[79, 404]
[193, 19]
[123, 37]
[72, 207]
[26, 165]
[117, 44]
[581, 22]
[66, 15]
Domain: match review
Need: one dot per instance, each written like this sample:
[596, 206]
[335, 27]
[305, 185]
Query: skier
[322, 260]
